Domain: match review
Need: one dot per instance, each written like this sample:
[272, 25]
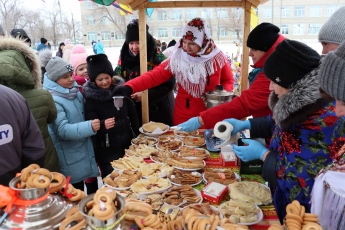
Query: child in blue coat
[70, 132]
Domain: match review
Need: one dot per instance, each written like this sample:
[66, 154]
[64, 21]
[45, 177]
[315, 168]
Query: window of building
[163, 32]
[91, 36]
[314, 29]
[105, 35]
[267, 12]
[119, 36]
[176, 15]
[206, 13]
[89, 5]
[299, 11]
[222, 13]
[104, 20]
[315, 11]
[234, 33]
[298, 29]
[285, 11]
[162, 15]
[190, 14]
[330, 9]
[90, 20]
[237, 13]
[222, 31]
[176, 32]
[284, 29]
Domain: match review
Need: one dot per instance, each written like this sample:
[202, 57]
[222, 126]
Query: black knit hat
[132, 33]
[172, 43]
[43, 40]
[290, 62]
[97, 64]
[263, 37]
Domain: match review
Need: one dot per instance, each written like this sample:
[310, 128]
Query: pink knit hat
[78, 57]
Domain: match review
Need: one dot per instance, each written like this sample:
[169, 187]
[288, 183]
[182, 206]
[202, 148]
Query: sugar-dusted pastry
[251, 192]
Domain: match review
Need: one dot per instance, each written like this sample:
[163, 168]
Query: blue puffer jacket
[71, 135]
[99, 48]
[41, 46]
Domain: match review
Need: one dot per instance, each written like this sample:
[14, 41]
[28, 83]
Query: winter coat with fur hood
[20, 71]
[67, 52]
[100, 105]
[305, 134]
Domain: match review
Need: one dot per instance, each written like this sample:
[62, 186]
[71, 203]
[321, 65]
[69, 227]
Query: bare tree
[53, 21]
[236, 19]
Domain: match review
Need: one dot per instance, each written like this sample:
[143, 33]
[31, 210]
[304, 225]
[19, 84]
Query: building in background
[299, 20]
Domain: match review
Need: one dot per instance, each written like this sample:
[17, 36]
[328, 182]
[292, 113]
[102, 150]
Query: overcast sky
[67, 6]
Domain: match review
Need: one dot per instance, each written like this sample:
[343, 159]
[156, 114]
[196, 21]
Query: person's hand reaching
[190, 125]
[122, 91]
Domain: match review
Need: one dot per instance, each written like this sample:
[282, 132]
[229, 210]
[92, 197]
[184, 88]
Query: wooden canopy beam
[245, 53]
[143, 61]
[255, 3]
[184, 4]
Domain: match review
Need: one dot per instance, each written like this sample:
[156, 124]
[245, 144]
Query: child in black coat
[118, 127]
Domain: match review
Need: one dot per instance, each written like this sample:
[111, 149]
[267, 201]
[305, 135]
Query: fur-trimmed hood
[31, 60]
[299, 103]
[68, 47]
[92, 91]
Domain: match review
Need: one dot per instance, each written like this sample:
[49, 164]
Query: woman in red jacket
[198, 65]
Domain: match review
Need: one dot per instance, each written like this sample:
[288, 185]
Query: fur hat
[332, 73]
[97, 64]
[172, 43]
[290, 62]
[78, 57]
[44, 56]
[67, 41]
[58, 67]
[132, 33]
[333, 31]
[44, 41]
[263, 37]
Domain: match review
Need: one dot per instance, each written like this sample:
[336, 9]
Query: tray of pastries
[187, 164]
[222, 176]
[194, 152]
[172, 145]
[183, 193]
[163, 156]
[140, 151]
[121, 180]
[194, 141]
[151, 185]
[179, 177]
[128, 163]
[154, 129]
[144, 140]
[156, 170]
[186, 134]
[202, 209]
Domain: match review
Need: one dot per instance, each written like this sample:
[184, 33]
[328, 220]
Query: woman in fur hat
[161, 97]
[328, 189]
[303, 126]
[118, 127]
[198, 65]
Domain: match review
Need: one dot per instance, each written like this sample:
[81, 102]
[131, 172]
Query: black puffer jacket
[99, 105]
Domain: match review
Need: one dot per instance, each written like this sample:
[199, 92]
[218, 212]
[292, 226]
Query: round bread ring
[212, 218]
[191, 222]
[29, 182]
[90, 213]
[227, 226]
[70, 188]
[163, 227]
[72, 218]
[225, 221]
[275, 227]
[291, 208]
[22, 185]
[215, 223]
[26, 173]
[44, 172]
[310, 215]
[99, 213]
[78, 195]
[72, 211]
[140, 204]
[61, 179]
[292, 225]
[99, 195]
[137, 220]
[175, 224]
[35, 166]
[38, 184]
[302, 212]
[202, 225]
[110, 191]
[196, 224]
[147, 228]
[149, 220]
[156, 223]
[90, 204]
[311, 219]
[287, 221]
[298, 205]
[180, 219]
[312, 226]
[136, 208]
[295, 217]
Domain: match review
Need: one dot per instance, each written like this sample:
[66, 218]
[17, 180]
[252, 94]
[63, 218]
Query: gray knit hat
[333, 31]
[332, 73]
[58, 67]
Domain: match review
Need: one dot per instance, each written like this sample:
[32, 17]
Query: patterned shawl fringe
[333, 217]
[193, 76]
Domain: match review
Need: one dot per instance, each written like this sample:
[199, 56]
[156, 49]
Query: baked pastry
[152, 126]
[125, 180]
[164, 156]
[150, 185]
[193, 141]
[140, 150]
[239, 212]
[128, 163]
[251, 192]
[169, 145]
[193, 152]
[184, 163]
[203, 209]
[182, 177]
[224, 177]
[156, 170]
[155, 200]
[177, 195]
[144, 141]
[186, 134]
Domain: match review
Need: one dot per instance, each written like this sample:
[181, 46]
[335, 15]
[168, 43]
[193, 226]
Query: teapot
[217, 97]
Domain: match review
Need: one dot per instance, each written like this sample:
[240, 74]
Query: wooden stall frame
[143, 4]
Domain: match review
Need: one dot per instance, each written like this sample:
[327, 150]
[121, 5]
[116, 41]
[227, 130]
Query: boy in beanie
[332, 33]
[301, 128]
[262, 41]
[116, 129]
[78, 61]
[43, 45]
[329, 184]
[70, 132]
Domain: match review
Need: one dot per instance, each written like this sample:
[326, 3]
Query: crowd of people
[58, 111]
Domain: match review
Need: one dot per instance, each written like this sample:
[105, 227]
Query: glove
[255, 150]
[238, 125]
[190, 125]
[123, 91]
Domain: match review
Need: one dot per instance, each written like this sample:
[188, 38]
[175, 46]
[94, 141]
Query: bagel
[297, 204]
[105, 214]
[215, 223]
[275, 227]
[292, 209]
[295, 217]
[72, 211]
[78, 195]
[310, 215]
[30, 182]
[102, 196]
[135, 208]
[44, 172]
[311, 219]
[137, 220]
[26, 173]
[191, 222]
[302, 211]
[312, 226]
[70, 189]
[196, 224]
[149, 220]
[152, 126]
[287, 221]
[61, 181]
[34, 166]
[37, 181]
[69, 220]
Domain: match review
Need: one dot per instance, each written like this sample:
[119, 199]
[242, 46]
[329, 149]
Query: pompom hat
[78, 57]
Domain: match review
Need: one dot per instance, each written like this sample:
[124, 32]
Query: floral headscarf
[191, 70]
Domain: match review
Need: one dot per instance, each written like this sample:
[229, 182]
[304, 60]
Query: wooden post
[245, 53]
[143, 61]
